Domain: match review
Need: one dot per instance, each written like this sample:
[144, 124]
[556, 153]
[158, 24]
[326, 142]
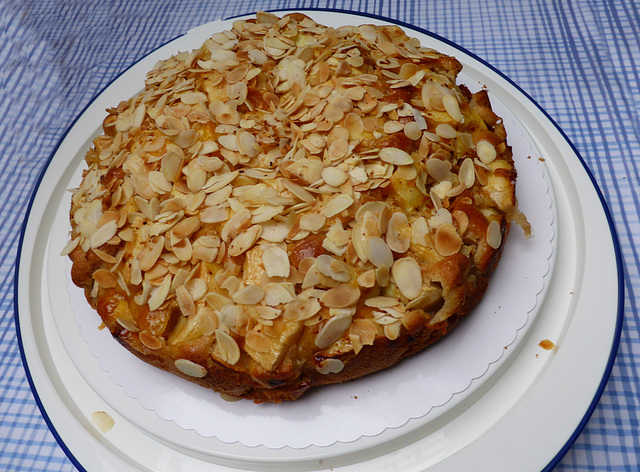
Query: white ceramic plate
[580, 313]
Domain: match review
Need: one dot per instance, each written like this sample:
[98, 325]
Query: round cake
[292, 205]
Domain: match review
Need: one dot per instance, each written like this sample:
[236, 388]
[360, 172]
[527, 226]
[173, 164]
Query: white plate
[580, 313]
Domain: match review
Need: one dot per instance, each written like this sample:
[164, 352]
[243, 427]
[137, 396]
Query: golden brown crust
[292, 206]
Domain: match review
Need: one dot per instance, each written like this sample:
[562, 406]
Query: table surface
[580, 60]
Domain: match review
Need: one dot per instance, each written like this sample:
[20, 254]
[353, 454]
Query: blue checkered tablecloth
[579, 59]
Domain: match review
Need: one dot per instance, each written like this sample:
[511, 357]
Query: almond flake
[452, 107]
[337, 205]
[334, 176]
[312, 222]
[257, 341]
[105, 278]
[485, 151]
[185, 301]
[341, 296]
[214, 215]
[150, 340]
[395, 156]
[301, 308]
[408, 277]
[244, 241]
[159, 294]
[104, 234]
[447, 241]
[190, 368]
[467, 173]
[227, 347]
[445, 130]
[186, 227]
[378, 252]
[330, 366]
[367, 279]
[398, 233]
[249, 295]
[276, 262]
[150, 253]
[276, 294]
[159, 182]
[332, 331]
[494, 234]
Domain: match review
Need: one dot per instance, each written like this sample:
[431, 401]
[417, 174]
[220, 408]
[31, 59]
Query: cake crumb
[102, 420]
[548, 345]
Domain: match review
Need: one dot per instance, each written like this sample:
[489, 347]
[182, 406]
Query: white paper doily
[388, 399]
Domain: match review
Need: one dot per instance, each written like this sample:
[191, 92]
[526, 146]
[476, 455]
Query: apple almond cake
[292, 205]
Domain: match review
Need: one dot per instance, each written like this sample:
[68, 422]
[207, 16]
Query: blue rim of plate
[614, 235]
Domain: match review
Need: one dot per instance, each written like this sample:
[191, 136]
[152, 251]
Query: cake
[292, 205]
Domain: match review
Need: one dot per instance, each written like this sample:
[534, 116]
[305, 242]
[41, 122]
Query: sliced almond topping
[237, 223]
[452, 107]
[150, 340]
[378, 252]
[276, 294]
[312, 222]
[467, 173]
[244, 241]
[186, 227]
[219, 181]
[438, 169]
[257, 341]
[274, 231]
[190, 368]
[462, 219]
[301, 308]
[104, 234]
[171, 165]
[159, 294]
[127, 324]
[182, 249]
[485, 151]
[276, 262]
[337, 205]
[216, 301]
[227, 347]
[419, 230]
[249, 295]
[298, 191]
[445, 130]
[399, 233]
[150, 253]
[408, 277]
[185, 301]
[353, 123]
[205, 321]
[334, 176]
[330, 366]
[332, 331]
[494, 234]
[447, 241]
[214, 215]
[105, 278]
[367, 279]
[268, 313]
[159, 182]
[341, 296]
[332, 267]
[413, 131]
[392, 330]
[395, 156]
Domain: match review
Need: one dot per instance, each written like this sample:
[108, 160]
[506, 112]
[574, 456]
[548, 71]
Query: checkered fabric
[579, 59]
